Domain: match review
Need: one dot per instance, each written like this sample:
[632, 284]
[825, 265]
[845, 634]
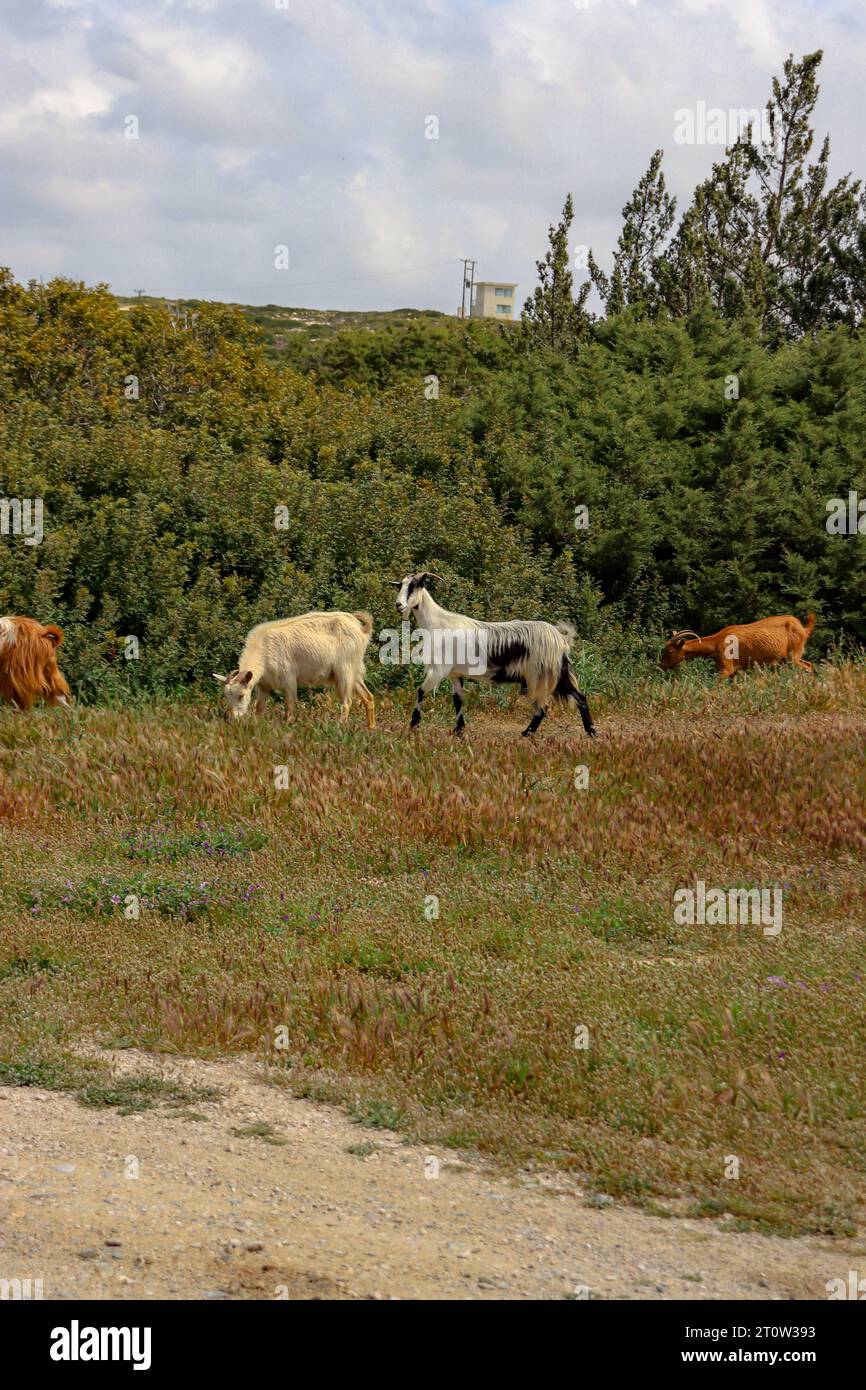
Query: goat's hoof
[592, 733]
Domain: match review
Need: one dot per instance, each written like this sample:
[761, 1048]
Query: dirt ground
[154, 1205]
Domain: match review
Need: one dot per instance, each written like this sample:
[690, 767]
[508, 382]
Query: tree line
[677, 460]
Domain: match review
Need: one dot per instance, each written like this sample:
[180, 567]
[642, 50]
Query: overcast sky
[304, 123]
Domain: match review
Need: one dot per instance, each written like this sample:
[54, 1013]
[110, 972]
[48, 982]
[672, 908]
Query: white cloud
[306, 125]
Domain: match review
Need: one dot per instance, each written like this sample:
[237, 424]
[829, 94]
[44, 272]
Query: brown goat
[28, 663]
[767, 642]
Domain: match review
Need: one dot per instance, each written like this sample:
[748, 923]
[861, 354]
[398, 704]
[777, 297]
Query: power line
[467, 285]
[340, 280]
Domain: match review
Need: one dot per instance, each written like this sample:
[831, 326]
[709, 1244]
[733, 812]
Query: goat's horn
[687, 632]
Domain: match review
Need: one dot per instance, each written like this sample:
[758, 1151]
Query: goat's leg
[351, 686]
[567, 688]
[538, 713]
[457, 697]
[416, 713]
[290, 695]
[262, 693]
[435, 676]
[366, 699]
[796, 659]
[344, 691]
[586, 718]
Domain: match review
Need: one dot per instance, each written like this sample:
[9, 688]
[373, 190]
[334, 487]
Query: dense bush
[160, 509]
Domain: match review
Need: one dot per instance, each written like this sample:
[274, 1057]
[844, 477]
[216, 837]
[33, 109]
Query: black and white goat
[533, 655]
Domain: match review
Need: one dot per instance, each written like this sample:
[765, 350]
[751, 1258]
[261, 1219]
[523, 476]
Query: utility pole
[467, 285]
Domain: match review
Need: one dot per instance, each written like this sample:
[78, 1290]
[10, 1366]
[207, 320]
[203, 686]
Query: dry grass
[297, 923]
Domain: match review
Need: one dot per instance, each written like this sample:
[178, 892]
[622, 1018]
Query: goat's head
[673, 653]
[237, 691]
[410, 589]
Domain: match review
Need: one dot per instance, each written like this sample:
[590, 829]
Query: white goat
[313, 649]
[532, 654]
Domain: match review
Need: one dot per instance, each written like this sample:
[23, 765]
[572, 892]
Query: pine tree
[552, 317]
[806, 227]
[764, 233]
[714, 255]
[648, 218]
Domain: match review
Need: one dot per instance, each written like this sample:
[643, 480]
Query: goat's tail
[567, 689]
[809, 624]
[366, 621]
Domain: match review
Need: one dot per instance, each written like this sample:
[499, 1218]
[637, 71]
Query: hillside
[277, 323]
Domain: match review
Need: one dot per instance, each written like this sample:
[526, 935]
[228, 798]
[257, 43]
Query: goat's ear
[679, 642]
[222, 679]
[246, 678]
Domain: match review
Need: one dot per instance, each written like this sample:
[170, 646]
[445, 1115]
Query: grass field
[159, 890]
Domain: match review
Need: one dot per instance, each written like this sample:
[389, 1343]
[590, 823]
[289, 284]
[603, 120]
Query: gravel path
[212, 1214]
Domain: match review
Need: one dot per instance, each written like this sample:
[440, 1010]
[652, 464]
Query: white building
[493, 299]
